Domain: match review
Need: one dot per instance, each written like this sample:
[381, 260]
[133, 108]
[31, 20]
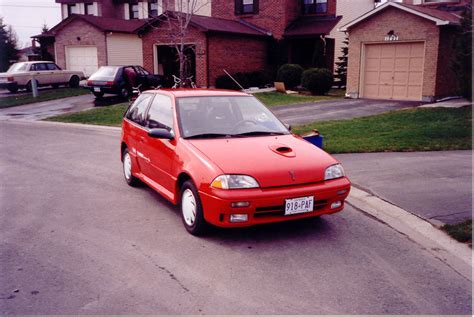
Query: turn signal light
[110, 83]
[240, 204]
[90, 83]
[239, 218]
[336, 204]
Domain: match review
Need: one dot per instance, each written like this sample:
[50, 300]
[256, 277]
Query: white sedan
[21, 75]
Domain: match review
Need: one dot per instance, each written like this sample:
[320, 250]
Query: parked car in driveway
[20, 75]
[120, 80]
[226, 160]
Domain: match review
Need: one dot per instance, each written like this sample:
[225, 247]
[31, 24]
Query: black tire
[13, 88]
[98, 95]
[129, 178]
[74, 82]
[199, 226]
[29, 86]
[124, 93]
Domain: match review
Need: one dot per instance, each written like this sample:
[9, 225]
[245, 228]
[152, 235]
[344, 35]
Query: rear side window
[138, 110]
[52, 66]
[39, 67]
[160, 114]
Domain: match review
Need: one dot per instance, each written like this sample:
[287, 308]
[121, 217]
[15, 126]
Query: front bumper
[268, 205]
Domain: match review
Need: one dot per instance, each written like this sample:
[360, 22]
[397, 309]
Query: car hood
[272, 160]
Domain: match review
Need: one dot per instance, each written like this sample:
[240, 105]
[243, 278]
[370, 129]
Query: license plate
[97, 89]
[299, 205]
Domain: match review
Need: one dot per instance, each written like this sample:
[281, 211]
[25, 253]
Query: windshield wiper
[208, 136]
[252, 133]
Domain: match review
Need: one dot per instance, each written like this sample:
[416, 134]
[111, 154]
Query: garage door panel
[82, 58]
[372, 78]
[396, 73]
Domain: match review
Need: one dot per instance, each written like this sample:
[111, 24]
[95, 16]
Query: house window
[315, 6]
[72, 9]
[133, 11]
[246, 6]
[89, 9]
[153, 8]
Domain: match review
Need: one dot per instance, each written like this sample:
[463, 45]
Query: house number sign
[392, 37]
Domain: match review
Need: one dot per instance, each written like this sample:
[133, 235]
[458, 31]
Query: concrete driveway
[338, 110]
[436, 186]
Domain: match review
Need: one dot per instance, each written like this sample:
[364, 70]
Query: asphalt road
[75, 239]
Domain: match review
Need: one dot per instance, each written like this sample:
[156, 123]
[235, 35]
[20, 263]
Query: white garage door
[394, 71]
[82, 58]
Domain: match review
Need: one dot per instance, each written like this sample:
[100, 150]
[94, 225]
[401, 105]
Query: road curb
[455, 254]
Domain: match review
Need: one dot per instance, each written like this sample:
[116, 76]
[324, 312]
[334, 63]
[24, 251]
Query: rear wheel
[124, 93]
[191, 210]
[127, 169]
[74, 82]
[29, 85]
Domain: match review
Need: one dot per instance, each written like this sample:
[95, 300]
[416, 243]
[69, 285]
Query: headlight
[334, 171]
[234, 182]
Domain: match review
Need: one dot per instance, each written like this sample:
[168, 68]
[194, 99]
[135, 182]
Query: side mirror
[160, 134]
[288, 126]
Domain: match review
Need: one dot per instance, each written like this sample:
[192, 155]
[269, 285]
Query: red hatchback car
[226, 160]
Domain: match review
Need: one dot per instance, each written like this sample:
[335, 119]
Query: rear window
[105, 73]
[18, 67]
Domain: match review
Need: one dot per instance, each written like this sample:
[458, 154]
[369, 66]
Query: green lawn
[59, 93]
[111, 116]
[408, 130]
[272, 99]
[429, 129]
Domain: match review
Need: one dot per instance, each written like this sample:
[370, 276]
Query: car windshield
[18, 67]
[226, 116]
[105, 73]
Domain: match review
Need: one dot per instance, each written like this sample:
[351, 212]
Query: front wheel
[124, 93]
[127, 169]
[191, 210]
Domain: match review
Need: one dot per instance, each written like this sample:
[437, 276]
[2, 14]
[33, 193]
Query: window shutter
[238, 7]
[255, 6]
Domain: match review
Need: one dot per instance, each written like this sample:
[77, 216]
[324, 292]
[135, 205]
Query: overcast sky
[27, 17]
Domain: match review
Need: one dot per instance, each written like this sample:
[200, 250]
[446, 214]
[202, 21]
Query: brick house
[404, 50]
[236, 35]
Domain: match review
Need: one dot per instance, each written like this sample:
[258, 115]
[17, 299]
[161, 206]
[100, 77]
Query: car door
[42, 74]
[135, 130]
[57, 75]
[161, 152]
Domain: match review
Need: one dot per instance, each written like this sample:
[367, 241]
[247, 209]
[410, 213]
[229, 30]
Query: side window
[160, 114]
[41, 67]
[137, 112]
[52, 66]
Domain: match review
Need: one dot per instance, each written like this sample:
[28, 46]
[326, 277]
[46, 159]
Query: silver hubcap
[127, 166]
[188, 206]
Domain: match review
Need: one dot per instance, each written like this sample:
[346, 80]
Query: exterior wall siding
[124, 49]
[87, 36]
[409, 28]
[349, 10]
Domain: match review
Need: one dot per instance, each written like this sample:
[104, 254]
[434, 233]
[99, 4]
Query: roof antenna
[235, 81]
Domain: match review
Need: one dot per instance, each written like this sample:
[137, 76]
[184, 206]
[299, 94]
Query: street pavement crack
[162, 268]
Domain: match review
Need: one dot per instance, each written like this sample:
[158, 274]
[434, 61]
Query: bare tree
[175, 24]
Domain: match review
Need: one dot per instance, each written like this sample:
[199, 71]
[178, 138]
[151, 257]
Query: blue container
[315, 139]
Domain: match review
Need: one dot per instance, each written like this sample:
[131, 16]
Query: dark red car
[226, 160]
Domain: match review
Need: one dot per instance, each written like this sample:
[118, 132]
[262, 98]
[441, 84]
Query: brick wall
[273, 15]
[408, 27]
[235, 53]
[89, 36]
[159, 36]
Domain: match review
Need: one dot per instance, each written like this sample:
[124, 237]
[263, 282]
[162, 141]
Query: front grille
[269, 211]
